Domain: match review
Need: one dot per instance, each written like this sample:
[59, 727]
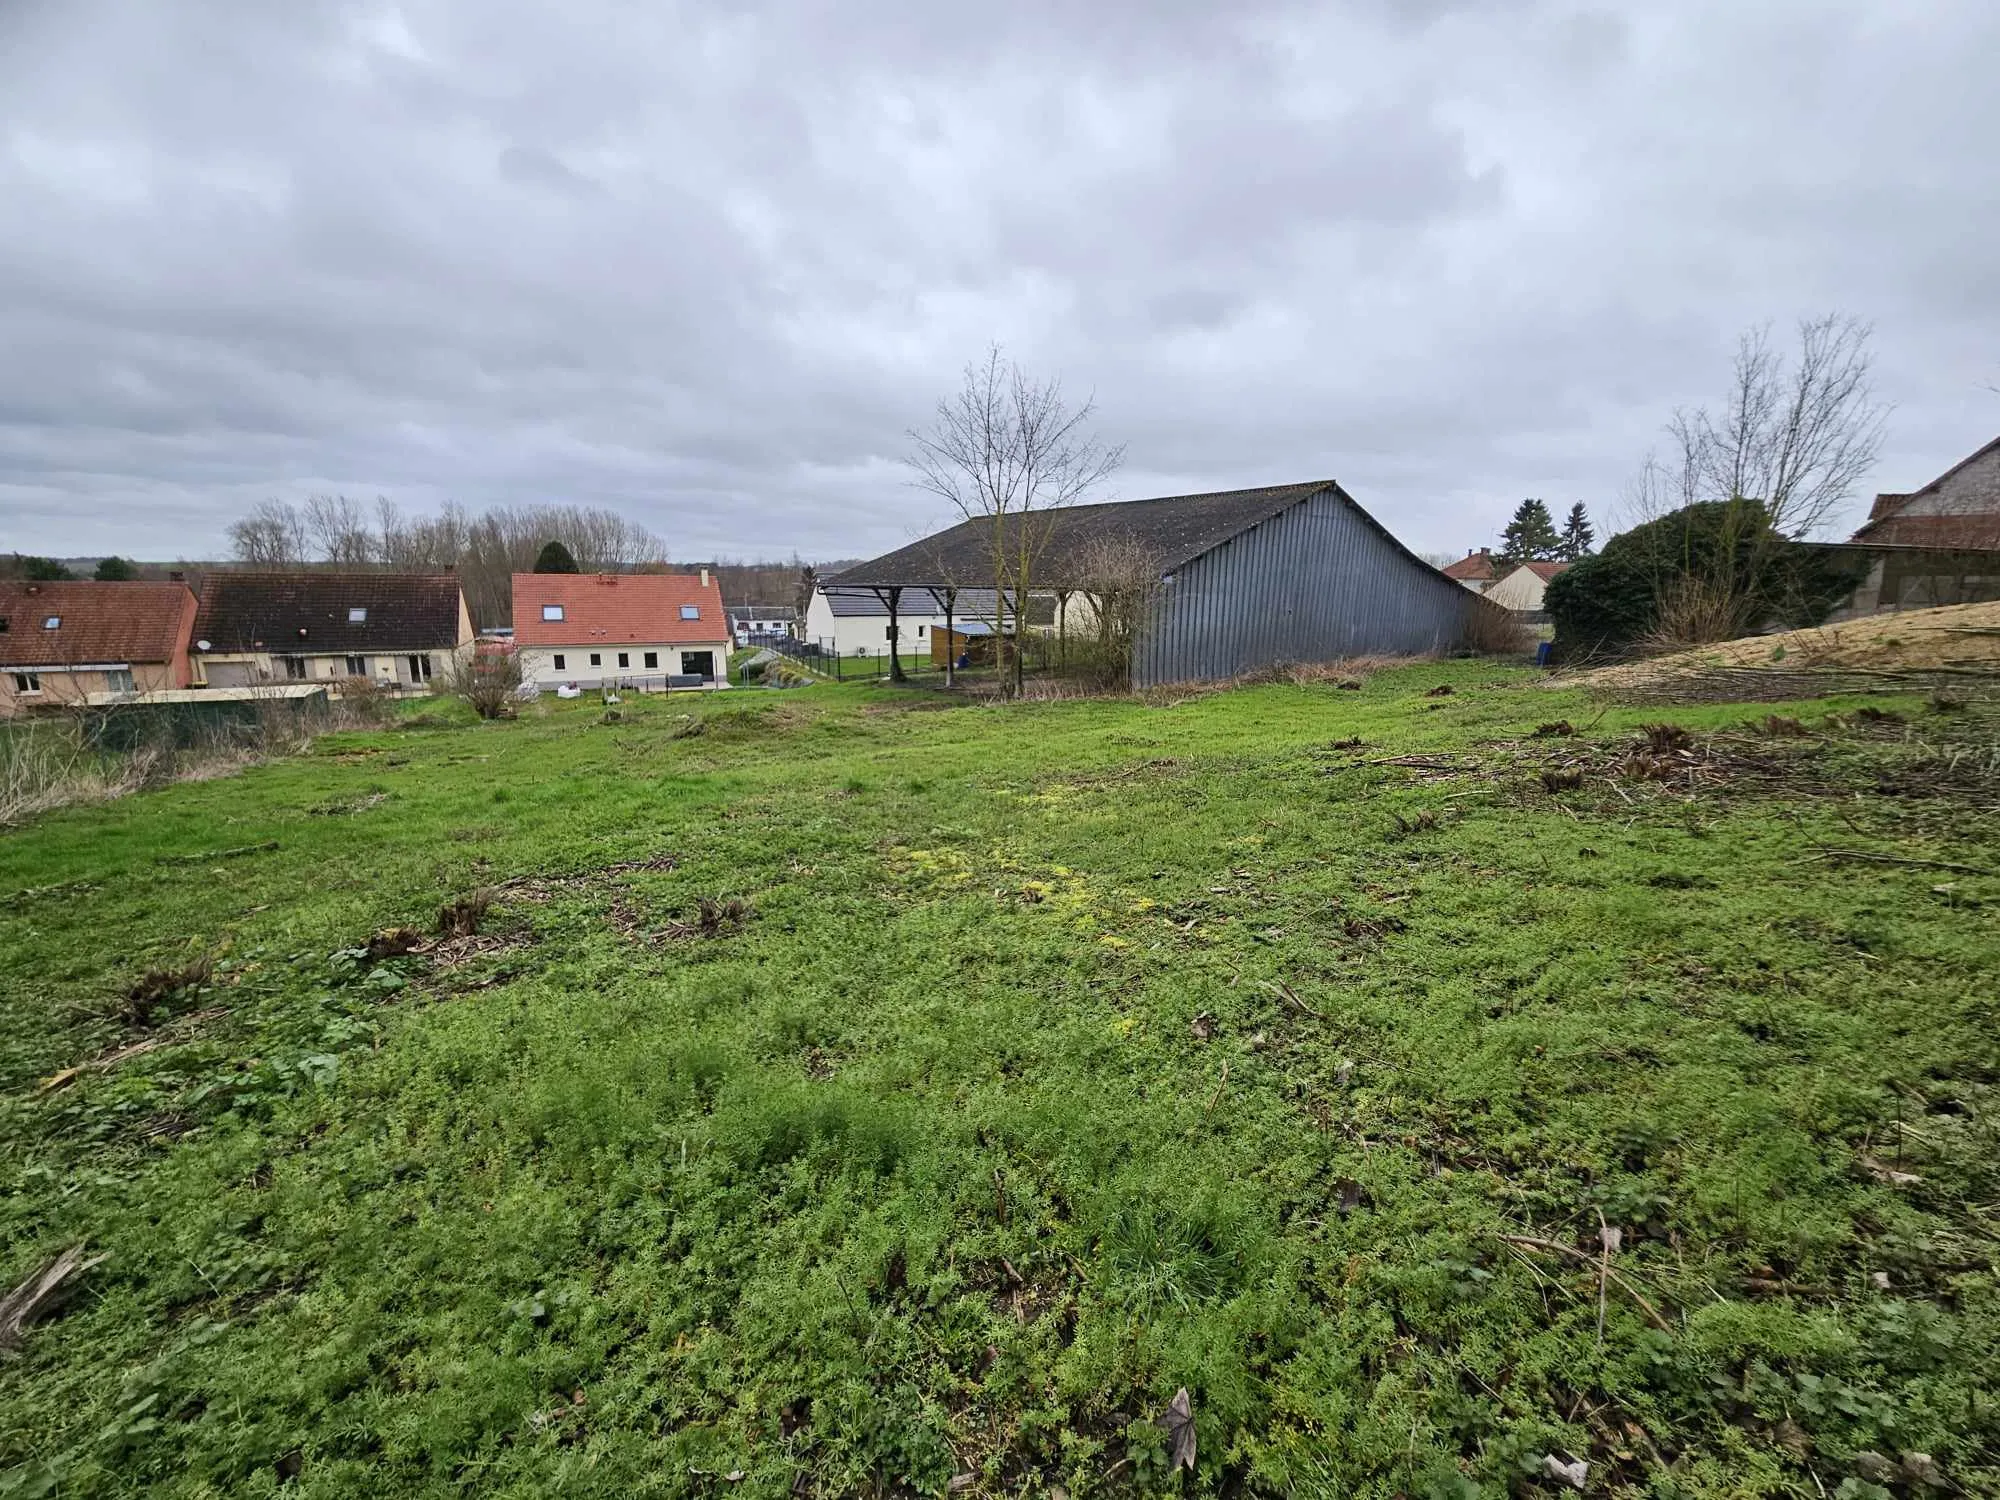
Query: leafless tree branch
[1011, 451]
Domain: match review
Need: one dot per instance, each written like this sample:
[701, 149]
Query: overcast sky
[707, 263]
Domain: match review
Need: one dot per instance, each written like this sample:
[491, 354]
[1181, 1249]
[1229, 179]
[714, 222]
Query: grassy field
[1023, 1067]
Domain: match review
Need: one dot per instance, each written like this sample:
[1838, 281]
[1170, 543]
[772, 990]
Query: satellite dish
[203, 646]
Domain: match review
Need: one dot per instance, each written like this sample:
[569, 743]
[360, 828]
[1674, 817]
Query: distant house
[72, 643]
[1521, 587]
[760, 624]
[399, 630]
[1475, 570]
[857, 624]
[1958, 509]
[850, 623]
[645, 631]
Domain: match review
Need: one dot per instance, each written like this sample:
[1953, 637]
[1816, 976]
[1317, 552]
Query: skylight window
[552, 611]
[357, 615]
[53, 622]
[690, 611]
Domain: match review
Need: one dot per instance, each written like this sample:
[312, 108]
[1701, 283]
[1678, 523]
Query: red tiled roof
[1886, 507]
[1974, 529]
[101, 622]
[1547, 570]
[1475, 567]
[597, 607]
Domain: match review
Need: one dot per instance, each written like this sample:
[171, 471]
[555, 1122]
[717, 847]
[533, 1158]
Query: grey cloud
[708, 262]
[534, 167]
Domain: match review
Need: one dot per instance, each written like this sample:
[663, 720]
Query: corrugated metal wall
[1312, 583]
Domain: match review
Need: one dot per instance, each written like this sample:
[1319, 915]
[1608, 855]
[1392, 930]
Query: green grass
[1072, 1053]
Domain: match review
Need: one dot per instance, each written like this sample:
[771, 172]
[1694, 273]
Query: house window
[652, 660]
[357, 615]
[597, 658]
[420, 669]
[624, 659]
[561, 665]
[119, 680]
[690, 611]
[295, 668]
[53, 622]
[552, 611]
[888, 632]
[920, 632]
[357, 666]
[27, 682]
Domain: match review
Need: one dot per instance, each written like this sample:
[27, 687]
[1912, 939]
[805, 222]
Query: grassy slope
[928, 1169]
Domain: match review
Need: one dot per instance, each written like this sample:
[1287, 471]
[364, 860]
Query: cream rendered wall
[1521, 589]
[250, 668]
[60, 686]
[538, 662]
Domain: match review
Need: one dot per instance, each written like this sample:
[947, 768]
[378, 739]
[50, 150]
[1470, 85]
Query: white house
[857, 623]
[645, 631]
[1521, 590]
[759, 624]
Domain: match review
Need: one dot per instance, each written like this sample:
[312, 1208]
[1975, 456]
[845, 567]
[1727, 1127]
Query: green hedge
[1608, 602]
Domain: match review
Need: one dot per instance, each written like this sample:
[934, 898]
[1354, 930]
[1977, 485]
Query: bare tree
[488, 680]
[485, 551]
[1118, 579]
[1010, 451]
[1786, 449]
[273, 535]
[339, 531]
[503, 542]
[1795, 436]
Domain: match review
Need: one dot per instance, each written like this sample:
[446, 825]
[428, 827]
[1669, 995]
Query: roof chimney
[704, 578]
[176, 576]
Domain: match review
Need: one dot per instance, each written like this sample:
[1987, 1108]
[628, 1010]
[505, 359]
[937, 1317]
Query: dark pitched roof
[1176, 528]
[1888, 506]
[99, 622]
[309, 612]
[966, 604]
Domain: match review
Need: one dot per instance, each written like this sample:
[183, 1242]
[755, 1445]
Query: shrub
[488, 680]
[1120, 580]
[363, 700]
[1491, 630]
[1712, 571]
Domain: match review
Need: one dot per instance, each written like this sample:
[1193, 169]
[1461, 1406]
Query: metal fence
[1041, 654]
[852, 668]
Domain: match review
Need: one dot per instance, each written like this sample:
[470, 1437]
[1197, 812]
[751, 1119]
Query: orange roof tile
[634, 607]
[97, 622]
[1476, 567]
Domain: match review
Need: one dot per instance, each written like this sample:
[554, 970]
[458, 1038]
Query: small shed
[967, 643]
